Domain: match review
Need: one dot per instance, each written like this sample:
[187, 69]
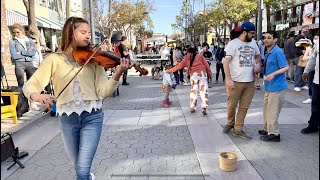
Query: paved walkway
[141, 140]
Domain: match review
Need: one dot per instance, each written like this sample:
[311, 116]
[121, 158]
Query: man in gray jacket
[313, 64]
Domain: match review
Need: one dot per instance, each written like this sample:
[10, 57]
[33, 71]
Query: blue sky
[165, 14]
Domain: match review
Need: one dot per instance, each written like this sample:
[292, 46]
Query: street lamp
[259, 29]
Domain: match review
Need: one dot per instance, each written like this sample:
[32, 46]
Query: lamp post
[259, 30]
[205, 28]
[92, 23]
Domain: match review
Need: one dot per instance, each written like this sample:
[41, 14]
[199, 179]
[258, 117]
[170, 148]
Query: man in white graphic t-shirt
[242, 60]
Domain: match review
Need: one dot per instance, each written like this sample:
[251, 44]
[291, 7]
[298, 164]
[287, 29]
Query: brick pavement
[140, 140]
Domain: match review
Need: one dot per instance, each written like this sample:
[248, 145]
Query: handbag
[302, 62]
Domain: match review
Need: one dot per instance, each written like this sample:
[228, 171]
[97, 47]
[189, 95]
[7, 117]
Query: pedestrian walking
[298, 52]
[22, 49]
[124, 52]
[219, 66]
[289, 52]
[241, 62]
[167, 85]
[200, 72]
[79, 106]
[313, 64]
[275, 86]
[307, 55]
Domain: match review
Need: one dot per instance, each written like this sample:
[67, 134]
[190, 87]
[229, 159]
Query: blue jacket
[16, 46]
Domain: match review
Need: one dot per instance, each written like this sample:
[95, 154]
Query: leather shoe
[263, 132]
[125, 83]
[309, 130]
[270, 138]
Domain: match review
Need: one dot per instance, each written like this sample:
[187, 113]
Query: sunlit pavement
[141, 140]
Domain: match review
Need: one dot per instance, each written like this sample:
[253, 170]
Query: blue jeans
[81, 135]
[298, 82]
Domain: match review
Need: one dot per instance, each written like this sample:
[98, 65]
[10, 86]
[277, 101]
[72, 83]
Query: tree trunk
[68, 9]
[32, 22]
[5, 54]
[225, 31]
[268, 17]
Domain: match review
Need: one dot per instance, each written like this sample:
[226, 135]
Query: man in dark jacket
[219, 56]
[289, 52]
[124, 54]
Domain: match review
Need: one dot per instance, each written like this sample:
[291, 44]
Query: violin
[106, 59]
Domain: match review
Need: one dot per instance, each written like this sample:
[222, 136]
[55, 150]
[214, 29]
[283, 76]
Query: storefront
[291, 20]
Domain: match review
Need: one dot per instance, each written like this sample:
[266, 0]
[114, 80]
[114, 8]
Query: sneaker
[227, 129]
[297, 89]
[93, 177]
[292, 81]
[241, 134]
[192, 110]
[204, 111]
[263, 132]
[186, 84]
[125, 83]
[309, 130]
[308, 101]
[258, 86]
[305, 87]
[270, 138]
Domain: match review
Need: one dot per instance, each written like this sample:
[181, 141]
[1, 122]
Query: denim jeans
[310, 82]
[20, 68]
[315, 107]
[298, 82]
[81, 135]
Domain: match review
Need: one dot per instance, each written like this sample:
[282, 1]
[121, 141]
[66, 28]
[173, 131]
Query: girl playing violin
[79, 105]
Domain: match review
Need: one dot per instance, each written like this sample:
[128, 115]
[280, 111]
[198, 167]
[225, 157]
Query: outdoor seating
[10, 110]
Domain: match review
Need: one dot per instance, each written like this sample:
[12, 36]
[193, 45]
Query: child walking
[200, 73]
[80, 106]
[167, 84]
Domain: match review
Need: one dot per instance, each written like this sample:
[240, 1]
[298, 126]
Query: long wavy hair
[193, 53]
[67, 35]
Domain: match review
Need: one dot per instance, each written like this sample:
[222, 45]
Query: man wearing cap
[242, 60]
[298, 51]
[124, 54]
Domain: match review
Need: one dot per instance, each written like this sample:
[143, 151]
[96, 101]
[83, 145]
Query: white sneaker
[308, 101]
[305, 87]
[186, 84]
[297, 89]
[93, 177]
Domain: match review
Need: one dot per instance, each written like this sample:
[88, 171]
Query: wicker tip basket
[228, 161]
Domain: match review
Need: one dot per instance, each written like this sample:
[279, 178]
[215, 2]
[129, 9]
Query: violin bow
[94, 52]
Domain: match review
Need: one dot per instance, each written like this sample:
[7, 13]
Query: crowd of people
[242, 62]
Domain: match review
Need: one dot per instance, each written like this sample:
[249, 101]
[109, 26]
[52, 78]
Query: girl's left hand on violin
[125, 64]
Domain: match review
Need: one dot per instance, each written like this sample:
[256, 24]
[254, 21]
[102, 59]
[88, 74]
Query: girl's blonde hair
[20, 27]
[67, 35]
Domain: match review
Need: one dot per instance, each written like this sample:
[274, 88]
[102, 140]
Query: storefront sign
[307, 11]
[286, 21]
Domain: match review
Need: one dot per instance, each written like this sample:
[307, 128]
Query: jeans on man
[310, 81]
[20, 68]
[298, 82]
[81, 135]
[315, 107]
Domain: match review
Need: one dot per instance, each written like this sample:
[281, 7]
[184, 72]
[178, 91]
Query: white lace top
[79, 105]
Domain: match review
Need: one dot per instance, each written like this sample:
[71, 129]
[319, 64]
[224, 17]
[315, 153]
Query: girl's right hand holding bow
[46, 100]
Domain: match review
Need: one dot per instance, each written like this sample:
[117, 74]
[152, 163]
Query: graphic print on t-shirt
[246, 56]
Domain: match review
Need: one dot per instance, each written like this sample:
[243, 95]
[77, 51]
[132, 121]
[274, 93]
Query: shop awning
[17, 17]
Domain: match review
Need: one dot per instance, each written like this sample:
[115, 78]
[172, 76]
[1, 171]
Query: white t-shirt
[242, 59]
